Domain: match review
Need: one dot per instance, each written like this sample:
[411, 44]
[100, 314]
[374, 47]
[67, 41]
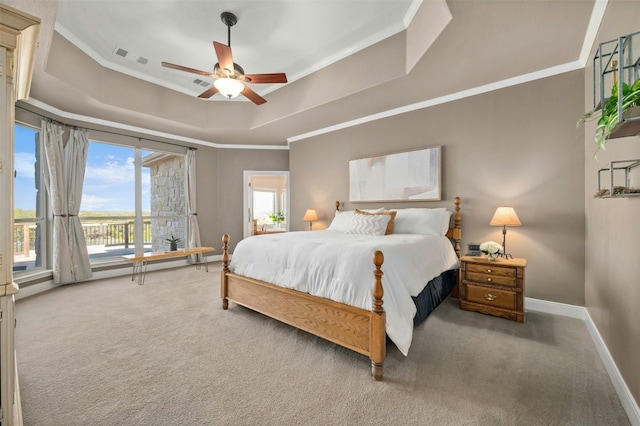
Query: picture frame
[404, 176]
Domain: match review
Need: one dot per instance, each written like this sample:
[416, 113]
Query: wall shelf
[629, 126]
[618, 60]
[623, 180]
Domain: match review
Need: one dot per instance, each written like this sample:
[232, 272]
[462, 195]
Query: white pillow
[342, 221]
[367, 224]
[446, 220]
[422, 221]
[373, 211]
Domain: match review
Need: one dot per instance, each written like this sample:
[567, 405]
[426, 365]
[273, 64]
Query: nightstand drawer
[503, 271]
[485, 278]
[491, 297]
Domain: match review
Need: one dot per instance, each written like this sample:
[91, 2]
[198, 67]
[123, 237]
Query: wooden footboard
[357, 329]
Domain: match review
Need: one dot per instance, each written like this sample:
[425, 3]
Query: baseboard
[554, 308]
[626, 398]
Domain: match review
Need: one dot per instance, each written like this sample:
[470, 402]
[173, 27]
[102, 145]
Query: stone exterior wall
[168, 202]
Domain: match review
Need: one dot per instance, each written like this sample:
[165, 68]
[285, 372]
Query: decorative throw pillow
[342, 219]
[390, 213]
[369, 224]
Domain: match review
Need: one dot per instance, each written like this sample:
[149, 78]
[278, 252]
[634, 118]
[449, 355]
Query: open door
[266, 197]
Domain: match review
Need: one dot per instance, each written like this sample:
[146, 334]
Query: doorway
[266, 196]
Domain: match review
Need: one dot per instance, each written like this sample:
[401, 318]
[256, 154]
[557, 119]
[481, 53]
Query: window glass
[108, 212]
[167, 201]
[29, 198]
[264, 205]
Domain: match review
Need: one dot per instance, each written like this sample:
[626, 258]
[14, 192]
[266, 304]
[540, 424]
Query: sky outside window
[24, 164]
[109, 184]
[109, 181]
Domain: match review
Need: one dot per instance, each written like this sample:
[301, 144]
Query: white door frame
[246, 219]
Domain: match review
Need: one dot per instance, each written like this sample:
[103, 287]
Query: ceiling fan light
[229, 87]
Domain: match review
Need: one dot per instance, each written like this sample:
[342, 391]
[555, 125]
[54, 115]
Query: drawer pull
[490, 297]
[489, 279]
[489, 270]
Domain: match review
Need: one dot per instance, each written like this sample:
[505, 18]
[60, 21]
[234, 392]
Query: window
[122, 215]
[29, 226]
[107, 211]
[264, 205]
[167, 200]
[133, 200]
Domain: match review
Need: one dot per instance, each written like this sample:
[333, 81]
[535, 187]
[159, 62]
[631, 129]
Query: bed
[292, 291]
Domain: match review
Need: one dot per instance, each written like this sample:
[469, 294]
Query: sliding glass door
[133, 200]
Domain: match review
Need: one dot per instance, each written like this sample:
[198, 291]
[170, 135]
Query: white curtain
[75, 153]
[193, 239]
[66, 165]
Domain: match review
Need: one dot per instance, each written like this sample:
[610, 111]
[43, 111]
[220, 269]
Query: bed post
[224, 280]
[457, 232]
[377, 330]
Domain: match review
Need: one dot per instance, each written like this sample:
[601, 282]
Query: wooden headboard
[454, 232]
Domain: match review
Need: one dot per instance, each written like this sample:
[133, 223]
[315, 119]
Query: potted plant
[173, 243]
[610, 111]
[277, 218]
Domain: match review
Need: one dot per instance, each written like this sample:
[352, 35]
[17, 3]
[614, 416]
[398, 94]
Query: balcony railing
[116, 232]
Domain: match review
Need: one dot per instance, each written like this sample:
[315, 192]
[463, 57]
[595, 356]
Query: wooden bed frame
[360, 330]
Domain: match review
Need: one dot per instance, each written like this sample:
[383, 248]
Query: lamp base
[504, 244]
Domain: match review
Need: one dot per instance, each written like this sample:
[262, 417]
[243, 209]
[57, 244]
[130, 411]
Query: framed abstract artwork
[405, 176]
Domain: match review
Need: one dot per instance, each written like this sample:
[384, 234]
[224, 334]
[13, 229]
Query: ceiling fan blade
[187, 69]
[253, 96]
[208, 93]
[279, 77]
[223, 52]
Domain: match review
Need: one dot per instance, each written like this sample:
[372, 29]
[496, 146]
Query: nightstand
[493, 287]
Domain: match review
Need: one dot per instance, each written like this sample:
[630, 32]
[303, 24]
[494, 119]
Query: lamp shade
[229, 87]
[310, 215]
[505, 216]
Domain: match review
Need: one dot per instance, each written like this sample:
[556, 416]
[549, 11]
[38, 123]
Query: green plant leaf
[610, 111]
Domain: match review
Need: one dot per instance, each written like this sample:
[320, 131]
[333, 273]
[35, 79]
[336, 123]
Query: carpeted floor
[111, 352]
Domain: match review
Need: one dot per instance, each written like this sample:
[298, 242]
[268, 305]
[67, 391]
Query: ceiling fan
[229, 77]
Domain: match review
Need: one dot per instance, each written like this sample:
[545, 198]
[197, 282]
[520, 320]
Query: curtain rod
[103, 131]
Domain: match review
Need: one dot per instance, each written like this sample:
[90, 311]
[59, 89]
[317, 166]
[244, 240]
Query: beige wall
[612, 287]
[517, 146]
[229, 176]
[219, 188]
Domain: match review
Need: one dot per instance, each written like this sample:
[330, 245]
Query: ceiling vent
[130, 56]
[201, 82]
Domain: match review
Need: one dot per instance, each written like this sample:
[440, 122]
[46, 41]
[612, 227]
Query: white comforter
[339, 267]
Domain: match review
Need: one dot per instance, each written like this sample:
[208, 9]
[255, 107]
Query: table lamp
[505, 216]
[311, 216]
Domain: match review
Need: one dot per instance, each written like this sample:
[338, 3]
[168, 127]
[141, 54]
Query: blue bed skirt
[433, 294]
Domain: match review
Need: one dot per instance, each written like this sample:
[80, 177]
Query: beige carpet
[111, 352]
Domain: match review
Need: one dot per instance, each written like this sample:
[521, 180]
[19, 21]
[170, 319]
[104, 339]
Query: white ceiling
[295, 37]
